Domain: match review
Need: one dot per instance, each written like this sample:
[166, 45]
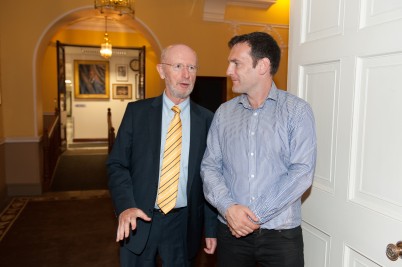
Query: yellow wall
[3, 188]
[28, 64]
[169, 21]
[208, 38]
[276, 14]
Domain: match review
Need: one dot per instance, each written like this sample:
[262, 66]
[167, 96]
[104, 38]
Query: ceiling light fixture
[115, 6]
[106, 46]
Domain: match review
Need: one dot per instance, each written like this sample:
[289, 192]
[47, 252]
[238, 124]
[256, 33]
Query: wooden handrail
[111, 135]
[53, 127]
[51, 149]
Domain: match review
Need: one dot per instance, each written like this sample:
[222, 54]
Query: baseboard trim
[90, 140]
[24, 189]
[29, 139]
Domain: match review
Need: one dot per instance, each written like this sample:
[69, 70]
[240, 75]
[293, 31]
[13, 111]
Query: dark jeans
[268, 248]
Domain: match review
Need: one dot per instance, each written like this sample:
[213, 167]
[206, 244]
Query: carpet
[64, 229]
[80, 171]
[88, 144]
[72, 229]
[73, 225]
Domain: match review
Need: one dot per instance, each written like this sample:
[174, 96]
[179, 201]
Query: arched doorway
[85, 21]
[65, 29]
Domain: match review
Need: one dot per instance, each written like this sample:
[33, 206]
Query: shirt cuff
[224, 207]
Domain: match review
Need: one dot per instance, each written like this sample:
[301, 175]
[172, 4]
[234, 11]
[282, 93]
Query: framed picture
[91, 79]
[122, 91]
[121, 73]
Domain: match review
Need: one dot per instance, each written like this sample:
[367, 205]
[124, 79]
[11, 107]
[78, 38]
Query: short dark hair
[262, 45]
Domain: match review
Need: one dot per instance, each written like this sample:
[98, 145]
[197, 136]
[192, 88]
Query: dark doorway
[209, 92]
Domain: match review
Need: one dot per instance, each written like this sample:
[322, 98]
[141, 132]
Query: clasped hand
[241, 220]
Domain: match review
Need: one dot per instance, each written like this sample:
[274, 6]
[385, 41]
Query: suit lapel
[195, 129]
[155, 126]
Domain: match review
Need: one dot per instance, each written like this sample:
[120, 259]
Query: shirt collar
[273, 94]
[169, 104]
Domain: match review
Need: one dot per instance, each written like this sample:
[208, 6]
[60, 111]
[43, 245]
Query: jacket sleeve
[118, 164]
[211, 220]
[210, 212]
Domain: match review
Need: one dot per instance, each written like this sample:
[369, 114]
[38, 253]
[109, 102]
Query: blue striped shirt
[262, 158]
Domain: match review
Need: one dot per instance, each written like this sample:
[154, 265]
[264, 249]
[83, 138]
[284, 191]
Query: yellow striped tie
[169, 178]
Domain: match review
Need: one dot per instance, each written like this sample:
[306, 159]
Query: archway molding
[64, 20]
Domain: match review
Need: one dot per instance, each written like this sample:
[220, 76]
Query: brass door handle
[394, 251]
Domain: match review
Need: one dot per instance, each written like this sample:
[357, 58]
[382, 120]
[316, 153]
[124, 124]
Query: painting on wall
[121, 73]
[122, 91]
[91, 79]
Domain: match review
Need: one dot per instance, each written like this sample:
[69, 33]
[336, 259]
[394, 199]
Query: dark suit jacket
[133, 168]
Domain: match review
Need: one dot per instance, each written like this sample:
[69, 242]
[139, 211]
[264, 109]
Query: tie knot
[176, 109]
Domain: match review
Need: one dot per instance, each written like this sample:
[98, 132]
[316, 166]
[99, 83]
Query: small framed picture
[121, 73]
[122, 91]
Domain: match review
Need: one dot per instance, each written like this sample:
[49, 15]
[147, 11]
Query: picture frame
[91, 79]
[121, 73]
[122, 91]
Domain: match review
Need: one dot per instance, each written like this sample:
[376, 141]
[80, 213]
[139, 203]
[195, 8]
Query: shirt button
[252, 154]
[255, 114]
[252, 133]
[252, 176]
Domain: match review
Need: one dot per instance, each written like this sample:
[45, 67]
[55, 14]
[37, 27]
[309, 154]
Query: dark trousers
[167, 240]
[268, 248]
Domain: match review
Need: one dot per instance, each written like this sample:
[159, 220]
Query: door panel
[375, 182]
[345, 59]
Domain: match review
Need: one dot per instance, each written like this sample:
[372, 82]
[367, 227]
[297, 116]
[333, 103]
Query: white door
[345, 59]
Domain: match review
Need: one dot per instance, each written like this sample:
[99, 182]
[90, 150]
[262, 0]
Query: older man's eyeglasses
[180, 67]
